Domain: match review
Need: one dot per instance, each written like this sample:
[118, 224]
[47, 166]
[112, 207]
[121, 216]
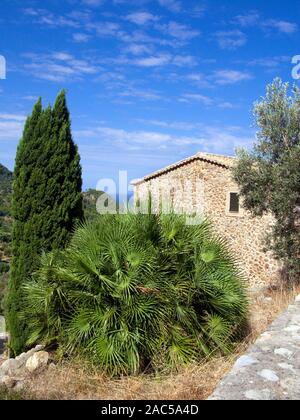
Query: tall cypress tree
[64, 175]
[46, 202]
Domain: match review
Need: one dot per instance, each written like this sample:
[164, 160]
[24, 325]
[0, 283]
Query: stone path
[270, 370]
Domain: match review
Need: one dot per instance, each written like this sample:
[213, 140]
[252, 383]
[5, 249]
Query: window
[234, 203]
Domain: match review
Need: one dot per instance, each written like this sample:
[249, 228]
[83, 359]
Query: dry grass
[73, 381]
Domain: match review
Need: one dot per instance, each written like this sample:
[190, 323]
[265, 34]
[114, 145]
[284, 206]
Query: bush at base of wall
[138, 292]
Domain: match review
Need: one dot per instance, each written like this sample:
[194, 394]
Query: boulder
[20, 385]
[37, 362]
[25, 356]
[8, 381]
[39, 347]
[11, 367]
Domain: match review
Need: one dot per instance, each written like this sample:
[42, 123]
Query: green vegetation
[5, 229]
[5, 214]
[6, 178]
[46, 202]
[5, 190]
[90, 198]
[134, 292]
[269, 176]
[6, 395]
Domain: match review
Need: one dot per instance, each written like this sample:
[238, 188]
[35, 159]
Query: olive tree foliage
[269, 175]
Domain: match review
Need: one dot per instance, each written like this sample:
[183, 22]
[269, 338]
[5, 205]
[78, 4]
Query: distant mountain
[90, 198]
[5, 179]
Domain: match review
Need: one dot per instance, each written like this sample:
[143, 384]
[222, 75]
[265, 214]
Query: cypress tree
[64, 175]
[46, 202]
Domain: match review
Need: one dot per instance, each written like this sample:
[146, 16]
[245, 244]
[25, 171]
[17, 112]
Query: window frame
[239, 213]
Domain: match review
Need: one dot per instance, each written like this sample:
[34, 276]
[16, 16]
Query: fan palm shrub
[137, 291]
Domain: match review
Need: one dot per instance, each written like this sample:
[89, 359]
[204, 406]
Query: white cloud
[145, 95]
[80, 37]
[173, 125]
[282, 26]
[205, 138]
[224, 139]
[269, 62]
[178, 31]
[141, 18]
[231, 40]
[184, 60]
[105, 28]
[140, 37]
[13, 117]
[248, 19]
[30, 11]
[58, 67]
[11, 126]
[253, 18]
[45, 17]
[138, 49]
[93, 3]
[195, 77]
[198, 10]
[198, 79]
[61, 56]
[154, 61]
[163, 60]
[172, 5]
[136, 140]
[196, 97]
[229, 77]
[227, 105]
[29, 98]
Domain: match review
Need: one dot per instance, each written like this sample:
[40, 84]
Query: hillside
[90, 198]
[6, 178]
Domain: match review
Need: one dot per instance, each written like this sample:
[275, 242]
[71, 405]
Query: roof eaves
[177, 165]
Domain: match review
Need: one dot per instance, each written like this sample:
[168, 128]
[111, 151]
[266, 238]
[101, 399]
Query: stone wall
[270, 370]
[204, 187]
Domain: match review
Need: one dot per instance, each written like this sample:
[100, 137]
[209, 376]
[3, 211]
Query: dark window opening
[234, 205]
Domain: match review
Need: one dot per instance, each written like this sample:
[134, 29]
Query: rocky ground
[270, 370]
[15, 373]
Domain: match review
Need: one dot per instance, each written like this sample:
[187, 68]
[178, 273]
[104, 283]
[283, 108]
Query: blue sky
[149, 81]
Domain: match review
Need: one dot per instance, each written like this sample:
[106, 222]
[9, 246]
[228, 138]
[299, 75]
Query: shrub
[133, 291]
[4, 267]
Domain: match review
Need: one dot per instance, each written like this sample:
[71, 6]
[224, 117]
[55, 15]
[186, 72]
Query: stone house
[202, 184]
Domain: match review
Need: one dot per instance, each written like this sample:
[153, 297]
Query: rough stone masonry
[243, 233]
